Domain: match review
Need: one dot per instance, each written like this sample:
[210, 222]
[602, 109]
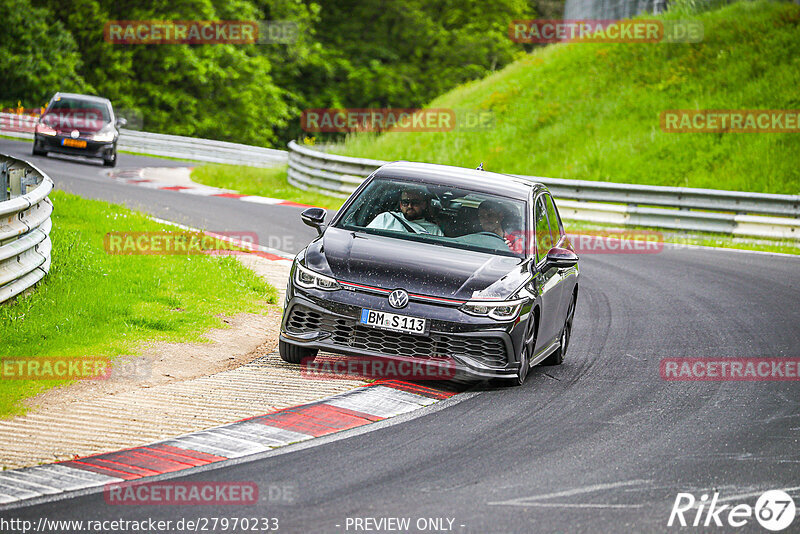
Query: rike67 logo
[774, 510]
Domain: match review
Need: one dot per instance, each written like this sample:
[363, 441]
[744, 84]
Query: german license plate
[75, 143]
[393, 321]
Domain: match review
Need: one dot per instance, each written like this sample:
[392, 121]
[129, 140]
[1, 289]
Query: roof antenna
[479, 167]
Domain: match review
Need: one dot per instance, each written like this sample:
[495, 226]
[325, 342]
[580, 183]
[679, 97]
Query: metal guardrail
[335, 175]
[678, 208]
[200, 149]
[24, 226]
[673, 208]
[174, 146]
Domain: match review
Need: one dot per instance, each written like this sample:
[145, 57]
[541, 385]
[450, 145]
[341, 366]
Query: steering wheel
[493, 235]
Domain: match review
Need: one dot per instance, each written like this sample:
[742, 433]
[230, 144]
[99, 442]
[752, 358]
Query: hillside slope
[591, 111]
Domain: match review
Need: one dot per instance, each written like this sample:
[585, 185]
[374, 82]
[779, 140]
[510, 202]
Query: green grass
[95, 304]
[265, 182]
[16, 138]
[591, 111]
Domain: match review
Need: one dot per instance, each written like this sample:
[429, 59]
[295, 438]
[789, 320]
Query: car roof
[482, 181]
[83, 97]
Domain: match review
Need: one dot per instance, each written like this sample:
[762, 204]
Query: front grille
[488, 350]
[346, 332]
[395, 343]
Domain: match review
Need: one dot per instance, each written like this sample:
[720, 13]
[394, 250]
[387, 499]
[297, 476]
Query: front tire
[110, 161]
[526, 351]
[38, 152]
[557, 357]
[294, 354]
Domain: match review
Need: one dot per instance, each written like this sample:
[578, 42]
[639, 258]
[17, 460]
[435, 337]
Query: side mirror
[560, 258]
[314, 217]
[122, 121]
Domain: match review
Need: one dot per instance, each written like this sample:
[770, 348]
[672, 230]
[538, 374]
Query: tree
[37, 54]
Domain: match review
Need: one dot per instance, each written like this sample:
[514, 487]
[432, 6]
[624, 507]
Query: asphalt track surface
[276, 226]
[599, 444]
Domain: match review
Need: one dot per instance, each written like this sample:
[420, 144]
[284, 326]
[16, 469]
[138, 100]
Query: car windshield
[441, 215]
[88, 110]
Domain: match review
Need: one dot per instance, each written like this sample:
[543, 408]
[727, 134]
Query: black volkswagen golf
[458, 267]
[78, 125]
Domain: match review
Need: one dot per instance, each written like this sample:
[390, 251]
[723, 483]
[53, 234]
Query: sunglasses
[411, 202]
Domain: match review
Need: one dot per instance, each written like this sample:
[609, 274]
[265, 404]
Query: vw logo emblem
[74, 134]
[398, 299]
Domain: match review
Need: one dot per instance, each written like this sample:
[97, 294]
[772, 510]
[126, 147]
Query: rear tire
[294, 354]
[557, 357]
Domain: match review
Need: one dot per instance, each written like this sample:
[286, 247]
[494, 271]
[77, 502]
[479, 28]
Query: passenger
[495, 218]
[414, 215]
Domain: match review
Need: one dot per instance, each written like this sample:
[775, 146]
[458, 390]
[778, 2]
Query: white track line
[532, 500]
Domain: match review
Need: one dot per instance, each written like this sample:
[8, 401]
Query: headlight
[310, 280]
[45, 129]
[106, 135]
[504, 310]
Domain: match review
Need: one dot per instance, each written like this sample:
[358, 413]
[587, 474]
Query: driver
[413, 216]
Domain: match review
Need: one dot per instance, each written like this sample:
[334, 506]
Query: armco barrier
[200, 149]
[24, 226]
[672, 208]
[174, 146]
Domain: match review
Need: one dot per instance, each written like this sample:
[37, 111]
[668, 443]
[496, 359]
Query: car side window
[544, 240]
[556, 229]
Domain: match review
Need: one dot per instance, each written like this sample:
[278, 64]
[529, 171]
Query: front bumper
[475, 347]
[94, 149]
